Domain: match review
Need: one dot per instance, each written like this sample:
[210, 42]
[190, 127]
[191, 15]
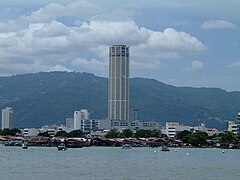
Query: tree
[227, 137]
[75, 133]
[140, 133]
[182, 134]
[61, 134]
[113, 133]
[11, 132]
[16, 130]
[148, 133]
[127, 133]
[45, 134]
[196, 139]
[156, 133]
[164, 136]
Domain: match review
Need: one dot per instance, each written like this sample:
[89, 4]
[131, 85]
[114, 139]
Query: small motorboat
[24, 146]
[165, 148]
[61, 147]
[126, 146]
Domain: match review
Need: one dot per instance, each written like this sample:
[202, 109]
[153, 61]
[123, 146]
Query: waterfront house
[155, 142]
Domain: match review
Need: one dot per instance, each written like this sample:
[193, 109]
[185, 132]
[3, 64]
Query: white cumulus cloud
[59, 68]
[41, 41]
[218, 24]
[51, 12]
[51, 43]
[54, 10]
[91, 65]
[168, 44]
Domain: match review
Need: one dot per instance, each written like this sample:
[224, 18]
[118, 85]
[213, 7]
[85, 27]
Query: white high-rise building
[118, 83]
[238, 123]
[7, 118]
[232, 127]
[82, 120]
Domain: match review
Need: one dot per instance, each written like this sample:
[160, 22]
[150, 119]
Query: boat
[165, 148]
[9, 143]
[24, 146]
[126, 146]
[61, 147]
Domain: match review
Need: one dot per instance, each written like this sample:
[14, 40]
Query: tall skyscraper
[7, 118]
[118, 83]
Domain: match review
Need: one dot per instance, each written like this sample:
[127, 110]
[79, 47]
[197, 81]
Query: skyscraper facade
[118, 83]
[7, 118]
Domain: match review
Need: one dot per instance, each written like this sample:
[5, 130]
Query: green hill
[49, 98]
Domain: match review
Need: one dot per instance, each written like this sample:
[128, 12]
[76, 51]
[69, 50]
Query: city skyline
[179, 43]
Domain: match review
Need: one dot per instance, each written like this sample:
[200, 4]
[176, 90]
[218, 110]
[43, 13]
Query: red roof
[2, 139]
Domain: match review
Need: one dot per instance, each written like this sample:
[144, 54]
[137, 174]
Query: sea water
[47, 163]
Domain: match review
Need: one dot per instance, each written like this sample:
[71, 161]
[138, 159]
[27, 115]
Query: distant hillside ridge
[51, 97]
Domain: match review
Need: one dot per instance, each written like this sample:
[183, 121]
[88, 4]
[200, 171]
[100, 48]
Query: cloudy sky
[182, 43]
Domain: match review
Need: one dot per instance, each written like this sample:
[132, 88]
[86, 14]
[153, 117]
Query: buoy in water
[223, 151]
[187, 153]
[154, 151]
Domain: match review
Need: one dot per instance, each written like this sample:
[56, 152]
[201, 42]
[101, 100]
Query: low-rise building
[51, 130]
[65, 128]
[201, 128]
[212, 131]
[70, 122]
[173, 128]
[30, 132]
[135, 125]
[101, 124]
[147, 125]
